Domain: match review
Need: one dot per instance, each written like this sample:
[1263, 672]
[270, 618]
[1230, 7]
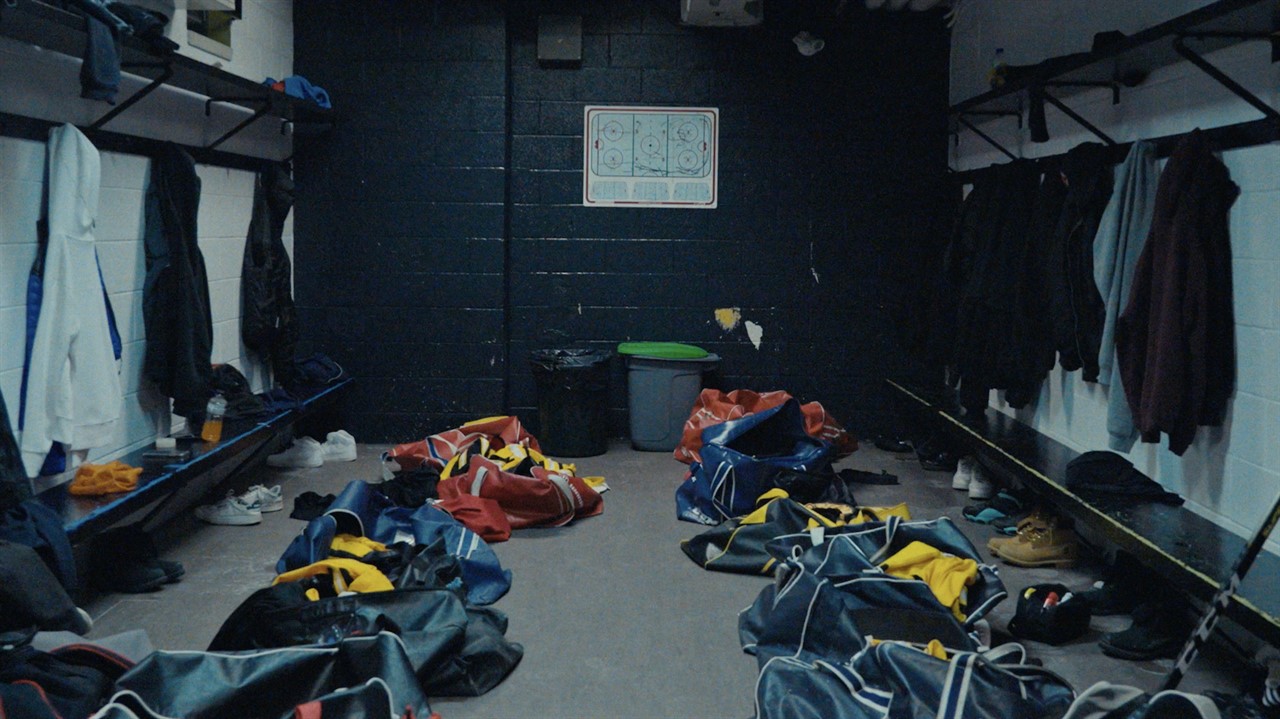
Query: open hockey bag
[893, 680]
[741, 460]
[713, 407]
[438, 449]
[738, 545]
[830, 610]
[877, 542]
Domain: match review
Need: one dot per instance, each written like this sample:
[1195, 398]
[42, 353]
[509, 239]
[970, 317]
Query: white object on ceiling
[722, 13]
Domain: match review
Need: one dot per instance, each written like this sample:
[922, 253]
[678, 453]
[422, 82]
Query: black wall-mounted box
[560, 39]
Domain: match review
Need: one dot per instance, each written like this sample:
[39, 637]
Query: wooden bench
[1192, 553]
[243, 442]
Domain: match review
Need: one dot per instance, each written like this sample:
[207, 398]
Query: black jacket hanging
[269, 322]
[1076, 310]
[175, 297]
[14, 486]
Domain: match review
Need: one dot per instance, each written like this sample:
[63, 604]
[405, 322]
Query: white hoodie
[73, 387]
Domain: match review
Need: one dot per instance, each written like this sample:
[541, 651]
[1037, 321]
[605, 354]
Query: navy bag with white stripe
[892, 680]
[741, 460]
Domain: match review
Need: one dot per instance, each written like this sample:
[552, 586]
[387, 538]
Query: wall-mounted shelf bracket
[264, 104]
[1078, 119]
[1195, 58]
[1113, 86]
[166, 71]
[989, 140]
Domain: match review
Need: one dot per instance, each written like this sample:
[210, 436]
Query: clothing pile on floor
[381, 602]
[872, 614]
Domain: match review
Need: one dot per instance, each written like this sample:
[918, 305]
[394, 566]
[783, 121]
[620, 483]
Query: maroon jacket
[1175, 339]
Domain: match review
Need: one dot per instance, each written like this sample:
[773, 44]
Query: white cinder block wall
[262, 46]
[1231, 474]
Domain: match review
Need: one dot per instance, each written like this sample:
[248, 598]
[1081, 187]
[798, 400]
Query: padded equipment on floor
[438, 449]
[714, 407]
[270, 683]
[876, 542]
[360, 511]
[827, 606]
[1050, 613]
[741, 459]
[738, 545]
[892, 679]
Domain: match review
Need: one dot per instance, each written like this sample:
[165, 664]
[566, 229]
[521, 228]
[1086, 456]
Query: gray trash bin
[660, 395]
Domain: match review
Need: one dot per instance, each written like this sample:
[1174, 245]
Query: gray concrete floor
[615, 620]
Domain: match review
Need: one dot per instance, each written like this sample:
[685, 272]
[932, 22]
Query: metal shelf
[54, 29]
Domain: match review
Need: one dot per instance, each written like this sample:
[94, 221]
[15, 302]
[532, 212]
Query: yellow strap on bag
[359, 546]
[363, 577]
[948, 576]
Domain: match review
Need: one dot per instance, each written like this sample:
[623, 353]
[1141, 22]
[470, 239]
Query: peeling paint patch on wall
[728, 318]
[754, 333]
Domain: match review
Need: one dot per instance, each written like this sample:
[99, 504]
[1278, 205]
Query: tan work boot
[1041, 547]
[1036, 520]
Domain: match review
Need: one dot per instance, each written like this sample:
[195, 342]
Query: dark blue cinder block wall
[441, 237]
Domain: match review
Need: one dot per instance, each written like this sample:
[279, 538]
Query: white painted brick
[1256, 234]
[1257, 370]
[1252, 489]
[1255, 292]
[20, 202]
[132, 357]
[123, 264]
[1255, 168]
[223, 258]
[15, 266]
[9, 384]
[123, 171]
[226, 340]
[121, 214]
[1271, 433]
[128, 309]
[21, 159]
[1250, 428]
[13, 327]
[224, 300]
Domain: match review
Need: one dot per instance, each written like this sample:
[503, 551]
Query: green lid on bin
[662, 350]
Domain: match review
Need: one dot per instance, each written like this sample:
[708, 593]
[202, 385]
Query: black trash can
[573, 401]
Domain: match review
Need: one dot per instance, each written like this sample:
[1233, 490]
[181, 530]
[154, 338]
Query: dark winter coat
[986, 262]
[269, 322]
[1175, 340]
[1076, 310]
[175, 295]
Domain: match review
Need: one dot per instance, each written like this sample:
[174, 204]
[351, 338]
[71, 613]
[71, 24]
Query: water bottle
[213, 413]
[999, 69]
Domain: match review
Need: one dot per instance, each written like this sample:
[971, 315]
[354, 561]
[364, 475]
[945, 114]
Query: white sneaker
[964, 473]
[981, 485]
[305, 452]
[229, 511]
[264, 499]
[339, 446]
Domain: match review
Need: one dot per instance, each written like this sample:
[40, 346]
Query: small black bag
[1049, 613]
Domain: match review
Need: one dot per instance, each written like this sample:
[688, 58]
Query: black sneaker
[1124, 587]
[1159, 630]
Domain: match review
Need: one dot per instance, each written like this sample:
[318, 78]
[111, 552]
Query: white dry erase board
[650, 156]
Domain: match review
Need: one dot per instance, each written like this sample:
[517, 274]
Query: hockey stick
[1221, 600]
